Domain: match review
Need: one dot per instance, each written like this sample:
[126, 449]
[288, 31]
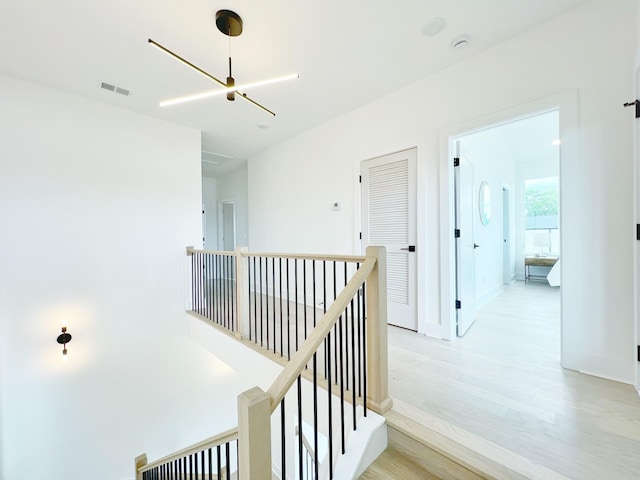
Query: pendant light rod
[187, 63]
[228, 89]
[237, 89]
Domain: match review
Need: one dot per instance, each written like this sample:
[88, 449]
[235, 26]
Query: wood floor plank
[502, 384]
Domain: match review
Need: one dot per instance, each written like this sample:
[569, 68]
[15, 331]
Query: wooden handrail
[300, 359]
[210, 442]
[300, 256]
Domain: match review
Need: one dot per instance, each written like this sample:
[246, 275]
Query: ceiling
[346, 53]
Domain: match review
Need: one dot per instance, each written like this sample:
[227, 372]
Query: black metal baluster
[353, 364]
[300, 425]
[227, 462]
[288, 314]
[266, 296]
[193, 282]
[324, 310]
[219, 459]
[335, 327]
[346, 334]
[234, 290]
[195, 466]
[281, 310]
[295, 276]
[329, 403]
[261, 298]
[202, 469]
[210, 454]
[255, 300]
[190, 466]
[364, 347]
[341, 346]
[273, 293]
[284, 442]
[211, 288]
[198, 276]
[315, 411]
[304, 294]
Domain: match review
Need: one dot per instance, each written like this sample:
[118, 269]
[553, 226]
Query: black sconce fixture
[63, 339]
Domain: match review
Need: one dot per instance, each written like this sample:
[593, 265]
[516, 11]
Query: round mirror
[484, 203]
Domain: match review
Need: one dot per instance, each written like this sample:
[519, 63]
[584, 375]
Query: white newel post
[377, 361]
[254, 435]
[242, 292]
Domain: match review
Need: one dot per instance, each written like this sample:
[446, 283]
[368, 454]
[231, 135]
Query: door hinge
[458, 304]
[456, 162]
[635, 103]
[638, 231]
[359, 178]
[360, 235]
[456, 233]
[639, 353]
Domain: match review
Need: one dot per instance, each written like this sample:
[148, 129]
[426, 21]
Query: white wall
[97, 205]
[292, 185]
[234, 187]
[210, 204]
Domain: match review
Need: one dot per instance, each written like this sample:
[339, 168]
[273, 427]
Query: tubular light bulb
[213, 93]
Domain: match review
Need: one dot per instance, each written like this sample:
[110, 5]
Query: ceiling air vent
[115, 89]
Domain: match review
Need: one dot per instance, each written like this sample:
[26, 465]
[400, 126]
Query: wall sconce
[63, 339]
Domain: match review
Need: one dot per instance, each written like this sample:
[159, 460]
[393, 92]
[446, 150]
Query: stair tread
[392, 464]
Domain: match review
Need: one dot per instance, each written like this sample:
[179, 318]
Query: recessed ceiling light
[460, 41]
[433, 26]
[263, 126]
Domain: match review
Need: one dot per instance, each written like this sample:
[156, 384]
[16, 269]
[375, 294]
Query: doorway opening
[227, 228]
[506, 216]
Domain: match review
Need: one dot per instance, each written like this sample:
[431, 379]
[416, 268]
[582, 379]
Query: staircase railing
[326, 318]
[213, 458]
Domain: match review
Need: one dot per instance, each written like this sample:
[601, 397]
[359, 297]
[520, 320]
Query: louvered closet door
[389, 219]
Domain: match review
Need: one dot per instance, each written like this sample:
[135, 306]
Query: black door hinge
[639, 353]
[635, 103]
[458, 304]
[359, 178]
[360, 235]
[456, 162]
[456, 233]
[638, 231]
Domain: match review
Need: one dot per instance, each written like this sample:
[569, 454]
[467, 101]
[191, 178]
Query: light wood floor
[502, 389]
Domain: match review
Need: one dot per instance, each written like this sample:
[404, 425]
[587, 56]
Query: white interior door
[389, 220]
[506, 238]
[465, 246]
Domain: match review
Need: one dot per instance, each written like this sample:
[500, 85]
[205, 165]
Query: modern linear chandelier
[230, 24]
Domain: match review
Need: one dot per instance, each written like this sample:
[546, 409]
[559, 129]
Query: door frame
[507, 257]
[221, 203]
[571, 312]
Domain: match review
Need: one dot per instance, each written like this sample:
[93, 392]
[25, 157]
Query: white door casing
[506, 238]
[389, 201]
[465, 246]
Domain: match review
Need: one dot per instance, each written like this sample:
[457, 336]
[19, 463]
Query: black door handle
[475, 245]
[411, 248]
